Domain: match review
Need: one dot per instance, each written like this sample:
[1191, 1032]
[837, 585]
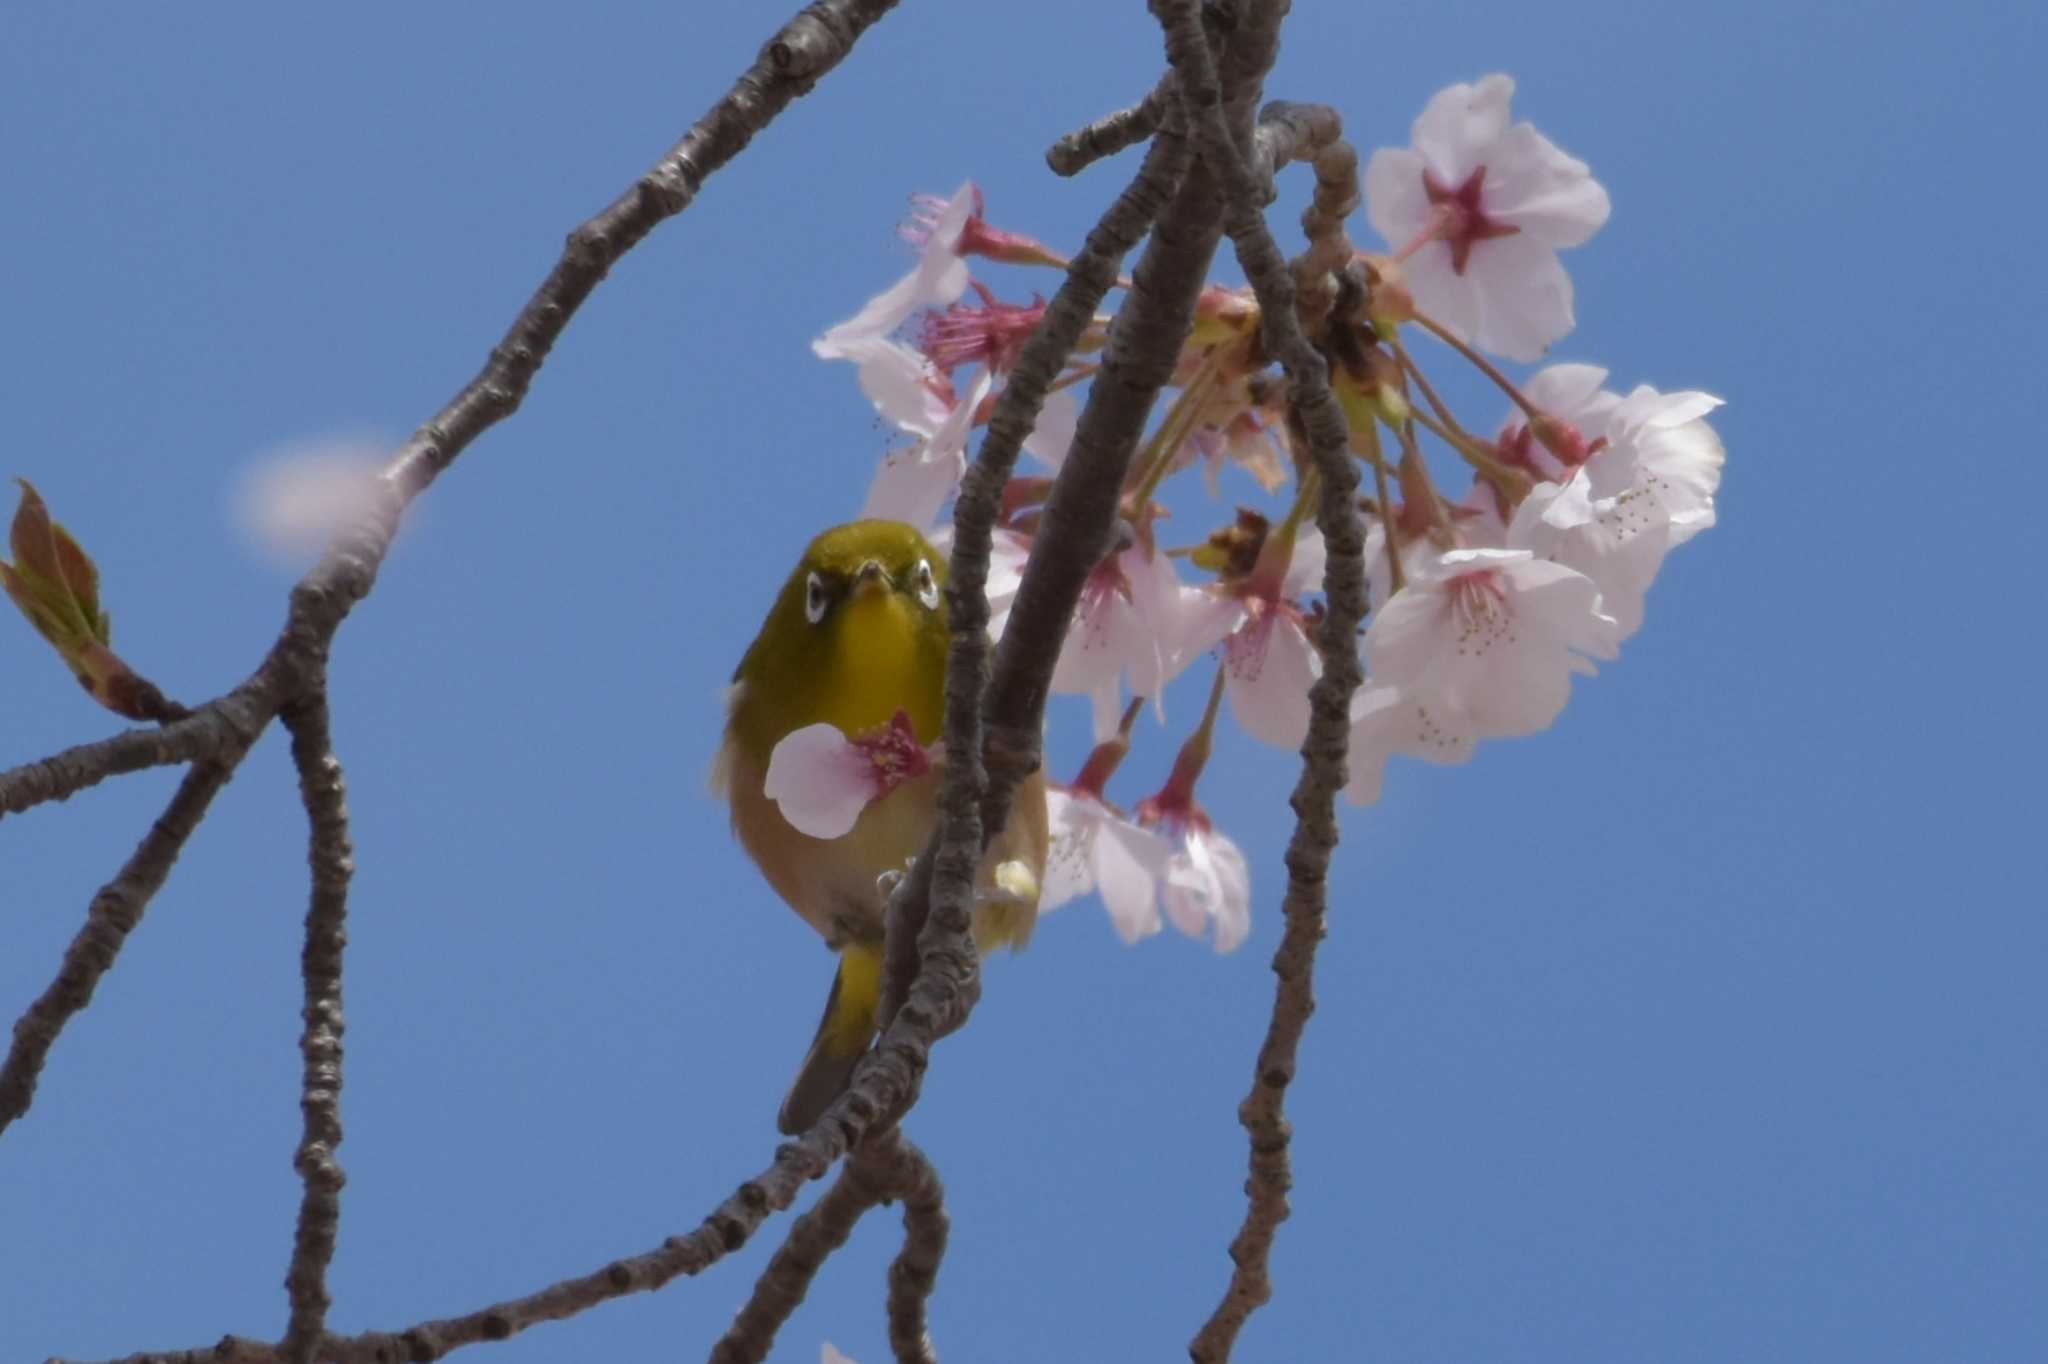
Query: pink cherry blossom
[1132, 622]
[1269, 659]
[1386, 720]
[976, 236]
[1645, 486]
[1492, 635]
[1477, 212]
[1094, 847]
[822, 780]
[939, 278]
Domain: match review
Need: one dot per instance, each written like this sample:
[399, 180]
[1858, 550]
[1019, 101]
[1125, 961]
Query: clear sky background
[1707, 1026]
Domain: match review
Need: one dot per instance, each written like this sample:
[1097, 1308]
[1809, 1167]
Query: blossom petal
[900, 383]
[1053, 432]
[1562, 390]
[1069, 859]
[1396, 202]
[1128, 864]
[1523, 294]
[1385, 721]
[1272, 665]
[1207, 881]
[939, 278]
[1540, 189]
[1461, 123]
[820, 781]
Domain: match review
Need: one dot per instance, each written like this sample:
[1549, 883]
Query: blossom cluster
[1485, 604]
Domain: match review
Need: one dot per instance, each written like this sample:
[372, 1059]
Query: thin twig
[822, 1229]
[209, 734]
[1323, 751]
[331, 858]
[1286, 132]
[1111, 133]
[109, 920]
[808, 47]
[916, 1267]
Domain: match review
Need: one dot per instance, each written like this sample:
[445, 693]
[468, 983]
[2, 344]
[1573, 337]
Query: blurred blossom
[293, 498]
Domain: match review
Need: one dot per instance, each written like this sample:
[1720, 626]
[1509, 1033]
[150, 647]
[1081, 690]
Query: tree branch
[210, 734]
[1088, 280]
[325, 793]
[1323, 752]
[1111, 133]
[812, 1238]
[916, 1183]
[111, 917]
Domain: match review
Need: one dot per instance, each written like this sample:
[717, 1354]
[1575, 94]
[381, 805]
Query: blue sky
[1706, 1026]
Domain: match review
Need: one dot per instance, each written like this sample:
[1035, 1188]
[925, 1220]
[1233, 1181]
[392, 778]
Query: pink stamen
[990, 335]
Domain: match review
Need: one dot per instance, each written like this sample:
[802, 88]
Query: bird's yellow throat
[880, 668]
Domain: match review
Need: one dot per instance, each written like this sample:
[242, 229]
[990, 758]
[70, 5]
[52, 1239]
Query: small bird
[858, 633]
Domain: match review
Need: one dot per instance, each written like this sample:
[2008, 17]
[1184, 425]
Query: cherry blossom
[906, 388]
[976, 236]
[1052, 434]
[1133, 621]
[822, 780]
[1207, 881]
[939, 278]
[1269, 659]
[913, 484]
[1646, 486]
[990, 333]
[1007, 553]
[1492, 635]
[1477, 212]
[1385, 720]
[1094, 847]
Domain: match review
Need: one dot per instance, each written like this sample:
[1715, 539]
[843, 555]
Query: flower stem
[1179, 791]
[1157, 456]
[1484, 365]
[1072, 377]
[1389, 522]
[1109, 754]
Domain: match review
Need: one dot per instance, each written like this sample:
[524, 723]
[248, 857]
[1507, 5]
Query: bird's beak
[872, 579]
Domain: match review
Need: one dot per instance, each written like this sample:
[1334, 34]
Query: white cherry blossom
[912, 484]
[1094, 847]
[1208, 884]
[1477, 211]
[1646, 486]
[1492, 635]
[1386, 720]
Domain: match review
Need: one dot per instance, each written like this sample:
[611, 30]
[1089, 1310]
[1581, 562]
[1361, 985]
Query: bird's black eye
[927, 586]
[816, 598]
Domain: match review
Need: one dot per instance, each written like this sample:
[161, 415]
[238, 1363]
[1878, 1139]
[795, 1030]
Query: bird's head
[858, 631]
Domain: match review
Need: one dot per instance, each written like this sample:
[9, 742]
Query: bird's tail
[843, 1036]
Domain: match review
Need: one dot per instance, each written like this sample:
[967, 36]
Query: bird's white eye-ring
[816, 599]
[927, 585]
